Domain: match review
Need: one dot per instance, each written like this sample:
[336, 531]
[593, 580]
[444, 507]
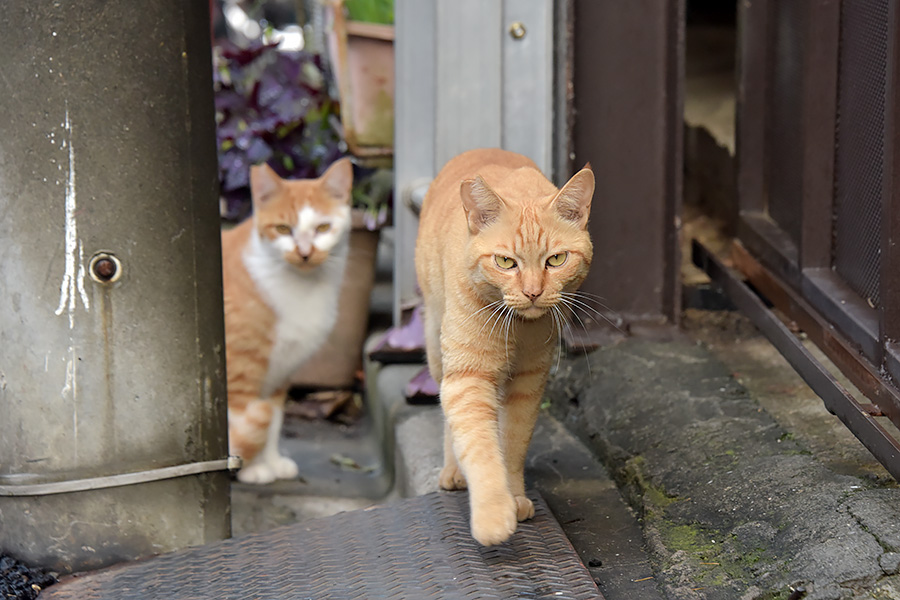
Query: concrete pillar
[111, 329]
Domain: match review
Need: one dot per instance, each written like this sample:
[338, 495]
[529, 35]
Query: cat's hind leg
[432, 326]
[451, 477]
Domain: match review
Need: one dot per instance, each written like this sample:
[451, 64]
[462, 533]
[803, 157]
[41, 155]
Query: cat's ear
[264, 182]
[481, 203]
[573, 202]
[338, 180]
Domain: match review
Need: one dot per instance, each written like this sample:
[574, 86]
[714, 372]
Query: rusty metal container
[113, 437]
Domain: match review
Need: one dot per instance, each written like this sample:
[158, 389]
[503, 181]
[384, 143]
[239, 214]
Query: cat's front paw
[451, 478]
[281, 467]
[259, 473]
[284, 468]
[494, 519]
[524, 508]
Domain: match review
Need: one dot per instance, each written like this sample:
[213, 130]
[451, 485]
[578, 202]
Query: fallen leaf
[349, 464]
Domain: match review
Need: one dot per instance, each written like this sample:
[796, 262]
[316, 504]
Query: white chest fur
[305, 305]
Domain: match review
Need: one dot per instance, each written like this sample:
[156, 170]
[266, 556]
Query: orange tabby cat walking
[498, 248]
[282, 271]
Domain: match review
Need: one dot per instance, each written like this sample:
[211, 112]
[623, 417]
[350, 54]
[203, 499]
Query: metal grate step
[415, 549]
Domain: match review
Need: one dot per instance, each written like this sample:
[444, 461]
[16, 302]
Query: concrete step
[341, 468]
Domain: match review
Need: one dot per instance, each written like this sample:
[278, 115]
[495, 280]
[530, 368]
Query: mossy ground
[714, 558]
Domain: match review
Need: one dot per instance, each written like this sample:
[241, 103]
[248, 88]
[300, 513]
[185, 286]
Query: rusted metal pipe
[112, 403]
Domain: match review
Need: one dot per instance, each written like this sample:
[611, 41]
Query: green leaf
[371, 11]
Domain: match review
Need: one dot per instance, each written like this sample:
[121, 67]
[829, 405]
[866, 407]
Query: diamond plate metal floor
[416, 549]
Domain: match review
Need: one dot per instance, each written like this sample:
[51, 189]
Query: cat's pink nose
[532, 295]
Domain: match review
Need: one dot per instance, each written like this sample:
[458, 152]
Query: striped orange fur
[282, 270]
[498, 245]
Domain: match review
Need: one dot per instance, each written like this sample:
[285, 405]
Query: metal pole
[111, 332]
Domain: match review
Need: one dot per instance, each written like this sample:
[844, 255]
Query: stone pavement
[745, 486]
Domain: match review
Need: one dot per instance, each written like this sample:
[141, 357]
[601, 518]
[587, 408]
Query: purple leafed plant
[273, 107]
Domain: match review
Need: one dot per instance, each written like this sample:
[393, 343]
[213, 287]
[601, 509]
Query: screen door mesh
[859, 151]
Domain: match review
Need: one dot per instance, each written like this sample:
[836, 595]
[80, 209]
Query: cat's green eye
[504, 262]
[557, 260]
[322, 228]
[283, 229]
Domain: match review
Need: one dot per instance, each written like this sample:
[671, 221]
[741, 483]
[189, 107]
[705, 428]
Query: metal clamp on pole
[232, 463]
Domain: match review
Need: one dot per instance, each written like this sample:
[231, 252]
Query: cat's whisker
[508, 315]
[506, 335]
[573, 303]
[585, 297]
[566, 327]
[599, 299]
[571, 311]
[480, 310]
[495, 317]
[555, 324]
[574, 314]
[509, 323]
[573, 308]
[500, 312]
[592, 298]
[559, 320]
[586, 357]
[557, 314]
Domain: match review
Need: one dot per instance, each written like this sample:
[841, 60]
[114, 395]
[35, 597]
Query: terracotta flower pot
[362, 55]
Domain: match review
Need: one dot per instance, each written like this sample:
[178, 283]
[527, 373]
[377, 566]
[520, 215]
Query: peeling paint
[72, 281]
[69, 386]
[72, 285]
[70, 392]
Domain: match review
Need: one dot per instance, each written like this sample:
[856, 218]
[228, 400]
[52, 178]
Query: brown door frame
[628, 78]
[796, 269]
[806, 266]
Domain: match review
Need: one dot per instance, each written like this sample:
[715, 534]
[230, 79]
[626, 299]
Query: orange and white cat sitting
[500, 251]
[282, 271]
